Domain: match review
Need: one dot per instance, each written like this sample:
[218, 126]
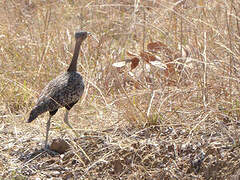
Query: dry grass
[144, 123]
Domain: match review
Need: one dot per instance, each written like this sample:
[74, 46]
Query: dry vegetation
[162, 88]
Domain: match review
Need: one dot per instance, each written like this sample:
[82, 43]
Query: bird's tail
[37, 110]
[33, 115]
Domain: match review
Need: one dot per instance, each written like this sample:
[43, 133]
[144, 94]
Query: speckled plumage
[63, 91]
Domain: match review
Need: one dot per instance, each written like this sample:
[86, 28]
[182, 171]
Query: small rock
[59, 145]
[68, 175]
[118, 167]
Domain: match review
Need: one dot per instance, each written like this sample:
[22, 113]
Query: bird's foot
[49, 151]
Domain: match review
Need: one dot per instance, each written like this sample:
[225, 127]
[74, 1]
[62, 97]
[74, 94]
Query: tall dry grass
[37, 44]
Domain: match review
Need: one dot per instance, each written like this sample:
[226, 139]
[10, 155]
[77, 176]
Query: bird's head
[82, 35]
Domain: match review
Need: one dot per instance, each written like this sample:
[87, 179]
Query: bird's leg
[66, 121]
[48, 127]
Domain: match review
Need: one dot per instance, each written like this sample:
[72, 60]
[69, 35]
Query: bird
[63, 91]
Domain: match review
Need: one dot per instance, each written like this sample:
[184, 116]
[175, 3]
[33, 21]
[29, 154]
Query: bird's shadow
[28, 156]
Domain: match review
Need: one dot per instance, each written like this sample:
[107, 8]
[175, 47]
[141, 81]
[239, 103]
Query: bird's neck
[73, 65]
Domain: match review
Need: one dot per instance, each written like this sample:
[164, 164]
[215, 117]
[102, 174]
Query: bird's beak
[93, 36]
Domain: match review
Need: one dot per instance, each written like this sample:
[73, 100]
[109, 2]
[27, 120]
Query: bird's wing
[63, 90]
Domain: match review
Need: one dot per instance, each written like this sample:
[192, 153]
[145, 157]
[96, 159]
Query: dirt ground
[155, 152]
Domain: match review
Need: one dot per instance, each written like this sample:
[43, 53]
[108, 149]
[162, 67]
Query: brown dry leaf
[155, 46]
[147, 57]
[135, 62]
[170, 70]
[160, 47]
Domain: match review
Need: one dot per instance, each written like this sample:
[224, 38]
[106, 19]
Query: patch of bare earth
[154, 152]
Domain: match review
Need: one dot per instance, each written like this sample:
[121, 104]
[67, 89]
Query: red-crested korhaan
[63, 91]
